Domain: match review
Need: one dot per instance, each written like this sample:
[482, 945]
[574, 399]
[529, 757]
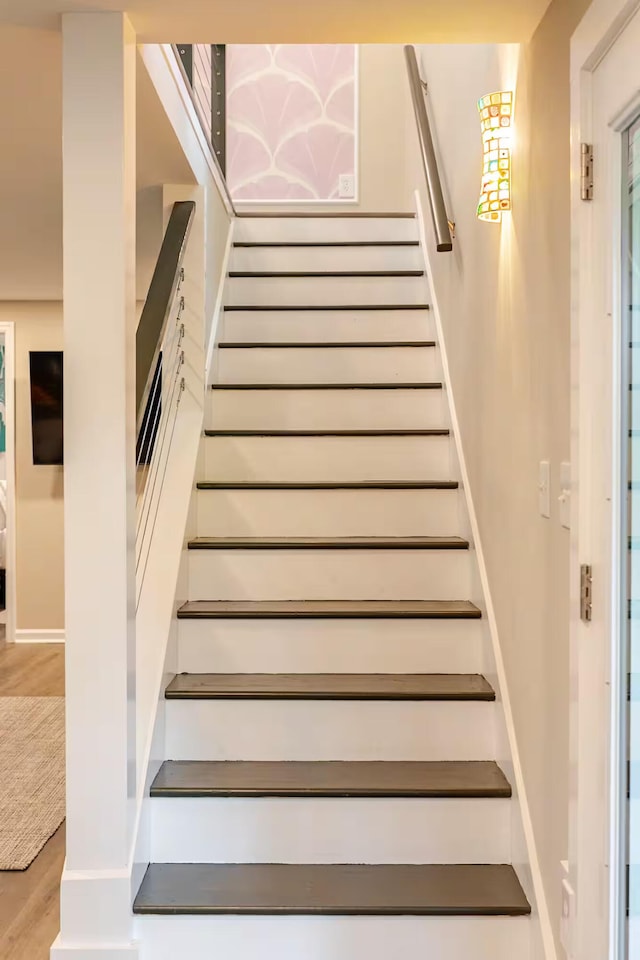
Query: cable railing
[205, 82]
[444, 228]
[160, 383]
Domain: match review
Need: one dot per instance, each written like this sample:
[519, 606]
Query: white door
[606, 420]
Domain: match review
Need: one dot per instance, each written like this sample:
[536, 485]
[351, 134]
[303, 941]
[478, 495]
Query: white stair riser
[335, 830]
[328, 730]
[331, 325]
[326, 258]
[319, 513]
[335, 291]
[362, 574]
[330, 646]
[318, 365]
[324, 229]
[334, 938]
[328, 458]
[326, 409]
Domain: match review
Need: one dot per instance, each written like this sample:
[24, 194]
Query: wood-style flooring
[30, 900]
[32, 670]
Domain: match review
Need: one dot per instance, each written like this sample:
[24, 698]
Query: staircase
[330, 790]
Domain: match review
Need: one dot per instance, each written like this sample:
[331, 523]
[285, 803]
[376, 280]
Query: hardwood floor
[30, 899]
[30, 904]
[32, 670]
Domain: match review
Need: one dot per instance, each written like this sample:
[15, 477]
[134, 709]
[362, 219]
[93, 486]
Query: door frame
[595, 787]
[7, 328]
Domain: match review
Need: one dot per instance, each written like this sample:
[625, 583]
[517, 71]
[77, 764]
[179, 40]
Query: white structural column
[99, 63]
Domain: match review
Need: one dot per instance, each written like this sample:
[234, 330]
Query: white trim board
[8, 329]
[525, 861]
[216, 331]
[40, 636]
[594, 783]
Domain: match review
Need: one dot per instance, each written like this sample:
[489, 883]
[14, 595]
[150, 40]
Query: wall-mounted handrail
[221, 178]
[159, 302]
[441, 223]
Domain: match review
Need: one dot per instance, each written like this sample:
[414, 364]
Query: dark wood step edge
[328, 543]
[320, 215]
[435, 385]
[323, 308]
[323, 345]
[436, 432]
[327, 485]
[332, 890]
[395, 779]
[179, 689]
[307, 244]
[299, 610]
[321, 274]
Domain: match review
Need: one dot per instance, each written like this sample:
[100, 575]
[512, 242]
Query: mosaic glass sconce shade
[496, 119]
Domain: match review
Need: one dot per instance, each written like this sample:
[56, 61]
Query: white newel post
[99, 178]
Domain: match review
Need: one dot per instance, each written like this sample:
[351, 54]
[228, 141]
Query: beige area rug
[32, 794]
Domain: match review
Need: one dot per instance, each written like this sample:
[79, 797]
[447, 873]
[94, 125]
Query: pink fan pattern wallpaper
[290, 120]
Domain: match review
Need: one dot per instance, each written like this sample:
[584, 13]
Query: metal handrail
[444, 228]
[221, 176]
[157, 306]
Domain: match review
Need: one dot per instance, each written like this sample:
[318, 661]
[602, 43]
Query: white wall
[31, 168]
[31, 284]
[383, 89]
[39, 490]
[504, 297]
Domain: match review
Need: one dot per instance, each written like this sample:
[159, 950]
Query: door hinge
[586, 585]
[586, 171]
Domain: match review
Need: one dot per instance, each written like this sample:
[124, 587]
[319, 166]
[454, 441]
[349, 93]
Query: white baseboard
[62, 951]
[214, 334]
[39, 636]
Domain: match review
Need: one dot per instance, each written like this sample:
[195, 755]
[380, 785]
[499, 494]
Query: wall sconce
[496, 118]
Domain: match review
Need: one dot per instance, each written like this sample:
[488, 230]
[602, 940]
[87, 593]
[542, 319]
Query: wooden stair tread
[329, 609]
[324, 344]
[319, 215]
[327, 485]
[205, 778]
[391, 432]
[332, 889]
[320, 274]
[426, 385]
[329, 686]
[280, 244]
[328, 543]
[288, 308]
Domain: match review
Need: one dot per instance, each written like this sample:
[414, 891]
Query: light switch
[565, 494]
[544, 489]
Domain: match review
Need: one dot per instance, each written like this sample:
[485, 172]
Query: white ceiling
[302, 21]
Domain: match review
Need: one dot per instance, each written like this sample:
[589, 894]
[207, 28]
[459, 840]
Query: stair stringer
[524, 856]
[154, 754]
